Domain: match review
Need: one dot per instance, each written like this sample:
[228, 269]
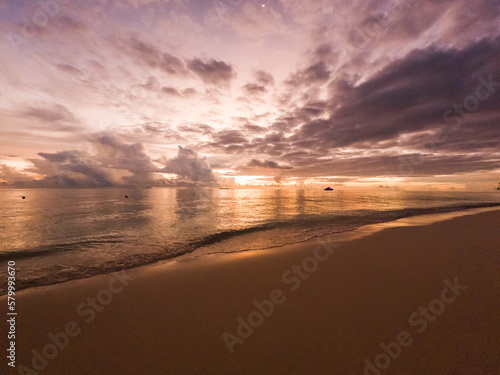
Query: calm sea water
[57, 235]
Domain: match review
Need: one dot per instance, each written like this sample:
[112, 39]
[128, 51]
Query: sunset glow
[211, 93]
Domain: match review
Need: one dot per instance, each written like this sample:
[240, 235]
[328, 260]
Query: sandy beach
[403, 300]
[236, 187]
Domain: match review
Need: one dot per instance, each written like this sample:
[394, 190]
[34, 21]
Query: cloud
[54, 112]
[313, 74]
[213, 71]
[152, 56]
[228, 141]
[264, 78]
[171, 91]
[13, 176]
[79, 164]
[197, 128]
[266, 164]
[69, 69]
[388, 165]
[410, 96]
[254, 89]
[228, 137]
[114, 162]
[326, 87]
[69, 24]
[396, 114]
[252, 128]
[132, 157]
[190, 92]
[189, 166]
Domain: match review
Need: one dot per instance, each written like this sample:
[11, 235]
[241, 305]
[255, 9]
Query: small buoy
[24, 197]
[126, 196]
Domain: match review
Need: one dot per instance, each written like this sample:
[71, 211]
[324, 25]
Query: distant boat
[328, 188]
[224, 188]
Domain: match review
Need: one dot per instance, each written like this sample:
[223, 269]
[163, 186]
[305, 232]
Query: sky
[146, 93]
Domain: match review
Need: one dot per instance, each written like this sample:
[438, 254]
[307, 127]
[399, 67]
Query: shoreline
[340, 236]
[348, 234]
[173, 315]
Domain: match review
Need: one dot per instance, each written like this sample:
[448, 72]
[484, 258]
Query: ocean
[55, 235]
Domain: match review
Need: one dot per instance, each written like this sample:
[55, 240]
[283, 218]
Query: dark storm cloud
[388, 165]
[477, 135]
[296, 116]
[213, 71]
[412, 95]
[436, 106]
[306, 113]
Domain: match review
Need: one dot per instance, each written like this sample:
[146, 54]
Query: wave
[363, 217]
[47, 250]
[318, 226]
